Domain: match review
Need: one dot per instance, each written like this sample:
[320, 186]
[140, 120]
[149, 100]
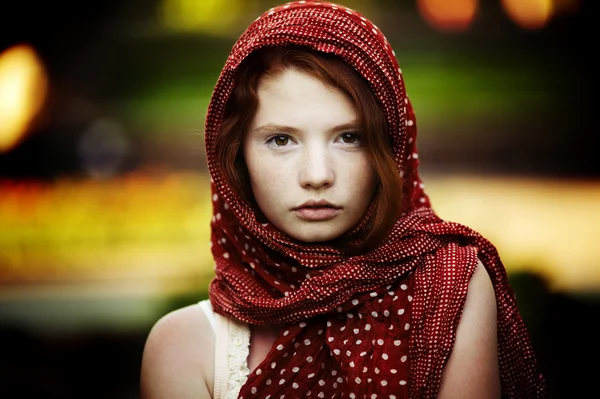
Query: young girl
[334, 276]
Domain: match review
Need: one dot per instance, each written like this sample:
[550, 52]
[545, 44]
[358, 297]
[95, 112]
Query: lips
[317, 210]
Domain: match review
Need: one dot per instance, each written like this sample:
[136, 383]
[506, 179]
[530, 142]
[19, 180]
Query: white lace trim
[237, 353]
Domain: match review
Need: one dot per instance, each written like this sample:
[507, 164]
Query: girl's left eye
[350, 138]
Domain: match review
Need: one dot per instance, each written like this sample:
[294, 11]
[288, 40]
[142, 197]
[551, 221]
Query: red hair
[332, 71]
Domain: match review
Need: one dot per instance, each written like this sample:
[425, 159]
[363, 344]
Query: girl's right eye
[279, 141]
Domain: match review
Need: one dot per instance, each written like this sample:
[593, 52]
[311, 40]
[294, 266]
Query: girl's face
[309, 172]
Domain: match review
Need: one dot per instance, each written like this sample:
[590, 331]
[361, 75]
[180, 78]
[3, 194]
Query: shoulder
[480, 294]
[178, 349]
[472, 368]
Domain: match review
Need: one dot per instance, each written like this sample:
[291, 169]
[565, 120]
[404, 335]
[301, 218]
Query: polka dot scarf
[374, 325]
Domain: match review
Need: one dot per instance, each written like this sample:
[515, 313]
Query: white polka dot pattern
[374, 325]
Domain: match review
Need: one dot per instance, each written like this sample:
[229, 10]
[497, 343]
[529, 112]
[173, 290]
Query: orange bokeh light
[529, 14]
[449, 15]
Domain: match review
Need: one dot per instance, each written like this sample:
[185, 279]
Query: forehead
[296, 97]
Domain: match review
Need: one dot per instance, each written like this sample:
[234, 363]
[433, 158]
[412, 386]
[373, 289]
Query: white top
[232, 341]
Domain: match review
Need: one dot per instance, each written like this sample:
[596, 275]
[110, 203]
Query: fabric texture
[379, 323]
[206, 307]
[232, 340]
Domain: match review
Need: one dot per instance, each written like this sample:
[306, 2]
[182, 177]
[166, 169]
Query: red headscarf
[380, 323]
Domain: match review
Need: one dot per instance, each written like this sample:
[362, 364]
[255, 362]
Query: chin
[315, 235]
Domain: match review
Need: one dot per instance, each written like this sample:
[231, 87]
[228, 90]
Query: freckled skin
[304, 145]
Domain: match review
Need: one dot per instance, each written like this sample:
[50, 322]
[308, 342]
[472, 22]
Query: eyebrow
[274, 127]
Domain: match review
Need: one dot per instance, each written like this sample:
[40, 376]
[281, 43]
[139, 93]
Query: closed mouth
[314, 204]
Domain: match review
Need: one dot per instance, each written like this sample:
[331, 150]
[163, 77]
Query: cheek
[362, 173]
[266, 178]
[254, 164]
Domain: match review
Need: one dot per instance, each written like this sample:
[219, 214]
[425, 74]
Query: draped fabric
[379, 324]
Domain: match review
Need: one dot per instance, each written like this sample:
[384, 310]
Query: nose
[316, 169]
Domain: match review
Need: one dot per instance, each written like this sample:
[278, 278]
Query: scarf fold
[379, 323]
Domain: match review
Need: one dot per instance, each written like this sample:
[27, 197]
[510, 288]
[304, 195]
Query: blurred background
[104, 195]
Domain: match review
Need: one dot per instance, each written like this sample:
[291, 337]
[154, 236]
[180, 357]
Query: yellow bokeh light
[23, 86]
[529, 14]
[207, 16]
[449, 15]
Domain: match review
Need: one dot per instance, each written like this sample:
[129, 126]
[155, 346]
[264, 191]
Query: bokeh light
[529, 14]
[23, 86]
[102, 148]
[449, 15]
[209, 16]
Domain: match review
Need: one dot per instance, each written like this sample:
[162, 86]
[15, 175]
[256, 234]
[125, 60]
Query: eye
[279, 141]
[350, 138]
